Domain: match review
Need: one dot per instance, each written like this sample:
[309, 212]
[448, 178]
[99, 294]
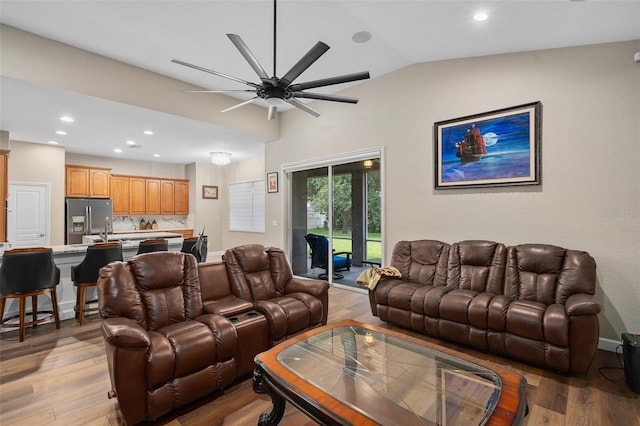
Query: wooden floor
[60, 377]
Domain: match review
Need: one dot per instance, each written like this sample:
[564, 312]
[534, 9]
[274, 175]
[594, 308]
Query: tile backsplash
[132, 223]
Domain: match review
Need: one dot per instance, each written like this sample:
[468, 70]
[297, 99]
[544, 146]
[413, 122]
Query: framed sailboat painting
[497, 148]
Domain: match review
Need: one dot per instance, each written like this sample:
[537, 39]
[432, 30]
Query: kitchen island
[66, 256]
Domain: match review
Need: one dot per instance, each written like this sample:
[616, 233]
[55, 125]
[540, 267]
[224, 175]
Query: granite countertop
[175, 240]
[137, 236]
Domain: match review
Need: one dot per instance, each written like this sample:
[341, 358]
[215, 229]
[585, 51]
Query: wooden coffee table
[355, 373]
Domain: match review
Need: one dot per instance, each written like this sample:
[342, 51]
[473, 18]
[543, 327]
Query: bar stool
[197, 246]
[85, 274]
[148, 246]
[28, 272]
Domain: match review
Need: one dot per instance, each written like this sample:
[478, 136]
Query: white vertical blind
[246, 206]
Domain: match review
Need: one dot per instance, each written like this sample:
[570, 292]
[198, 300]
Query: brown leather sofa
[531, 302]
[176, 330]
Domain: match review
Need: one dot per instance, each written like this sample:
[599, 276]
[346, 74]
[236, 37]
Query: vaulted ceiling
[148, 34]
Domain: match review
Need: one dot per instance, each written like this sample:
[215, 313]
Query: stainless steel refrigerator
[87, 216]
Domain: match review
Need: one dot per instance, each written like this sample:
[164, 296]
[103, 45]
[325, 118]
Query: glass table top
[394, 381]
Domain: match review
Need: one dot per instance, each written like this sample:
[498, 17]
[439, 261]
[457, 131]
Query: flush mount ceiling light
[480, 16]
[67, 119]
[220, 158]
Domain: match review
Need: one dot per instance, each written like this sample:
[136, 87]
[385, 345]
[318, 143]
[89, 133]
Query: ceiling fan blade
[272, 112]
[241, 104]
[323, 97]
[219, 91]
[219, 74]
[306, 108]
[305, 62]
[250, 57]
[329, 81]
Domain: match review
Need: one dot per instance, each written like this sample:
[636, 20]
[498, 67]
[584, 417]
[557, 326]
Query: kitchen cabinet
[181, 195]
[137, 195]
[167, 197]
[4, 192]
[152, 201]
[120, 194]
[87, 182]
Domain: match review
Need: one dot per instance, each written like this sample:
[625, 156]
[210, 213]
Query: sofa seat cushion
[455, 305]
[179, 349]
[227, 306]
[291, 314]
[400, 294]
[525, 319]
[466, 307]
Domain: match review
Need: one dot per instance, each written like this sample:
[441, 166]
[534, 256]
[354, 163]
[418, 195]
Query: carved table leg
[261, 385]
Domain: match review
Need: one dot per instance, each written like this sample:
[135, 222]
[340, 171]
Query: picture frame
[272, 182]
[496, 148]
[209, 192]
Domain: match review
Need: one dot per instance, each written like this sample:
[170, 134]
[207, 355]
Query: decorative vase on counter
[143, 225]
[148, 225]
[154, 225]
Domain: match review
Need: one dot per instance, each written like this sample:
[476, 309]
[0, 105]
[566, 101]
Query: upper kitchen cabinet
[87, 182]
[137, 195]
[181, 195]
[120, 194]
[153, 196]
[167, 197]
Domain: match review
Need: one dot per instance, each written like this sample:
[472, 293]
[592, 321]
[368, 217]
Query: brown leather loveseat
[176, 330]
[531, 302]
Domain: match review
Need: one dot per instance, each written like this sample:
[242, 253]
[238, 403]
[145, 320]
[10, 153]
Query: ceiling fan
[280, 91]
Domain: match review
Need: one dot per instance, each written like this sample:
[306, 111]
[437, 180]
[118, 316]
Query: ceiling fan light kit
[277, 92]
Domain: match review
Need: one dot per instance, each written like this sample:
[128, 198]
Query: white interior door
[28, 215]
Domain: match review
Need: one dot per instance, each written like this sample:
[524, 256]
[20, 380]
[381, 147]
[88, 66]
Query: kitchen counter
[134, 236]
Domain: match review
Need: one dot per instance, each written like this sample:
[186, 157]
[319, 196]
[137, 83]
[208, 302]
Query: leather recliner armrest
[582, 304]
[314, 287]
[122, 332]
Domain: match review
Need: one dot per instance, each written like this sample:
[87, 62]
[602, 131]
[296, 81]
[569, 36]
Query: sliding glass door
[336, 219]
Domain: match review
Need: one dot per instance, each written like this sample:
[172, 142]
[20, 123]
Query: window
[246, 206]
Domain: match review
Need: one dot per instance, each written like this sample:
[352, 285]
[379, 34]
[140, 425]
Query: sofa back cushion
[477, 265]
[249, 271]
[214, 282]
[154, 289]
[548, 274]
[422, 261]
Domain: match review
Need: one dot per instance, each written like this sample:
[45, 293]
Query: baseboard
[608, 344]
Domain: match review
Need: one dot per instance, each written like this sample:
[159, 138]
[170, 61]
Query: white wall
[29, 162]
[590, 193]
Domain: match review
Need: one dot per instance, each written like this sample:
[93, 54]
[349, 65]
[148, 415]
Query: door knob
[41, 235]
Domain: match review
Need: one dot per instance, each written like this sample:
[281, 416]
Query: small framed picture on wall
[272, 182]
[210, 192]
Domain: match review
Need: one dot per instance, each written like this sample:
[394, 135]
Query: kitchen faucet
[106, 229]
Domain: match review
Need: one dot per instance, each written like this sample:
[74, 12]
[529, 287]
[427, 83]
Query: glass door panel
[341, 205]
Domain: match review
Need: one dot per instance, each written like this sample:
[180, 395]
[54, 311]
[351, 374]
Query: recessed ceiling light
[67, 119]
[361, 37]
[148, 132]
[52, 143]
[131, 142]
[480, 16]
[117, 150]
[156, 155]
[61, 132]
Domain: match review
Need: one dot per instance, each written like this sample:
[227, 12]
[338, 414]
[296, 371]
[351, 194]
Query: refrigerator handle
[87, 220]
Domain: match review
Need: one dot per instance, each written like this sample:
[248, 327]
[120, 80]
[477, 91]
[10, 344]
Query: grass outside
[342, 242]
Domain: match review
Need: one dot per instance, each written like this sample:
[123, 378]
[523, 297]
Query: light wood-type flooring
[60, 377]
